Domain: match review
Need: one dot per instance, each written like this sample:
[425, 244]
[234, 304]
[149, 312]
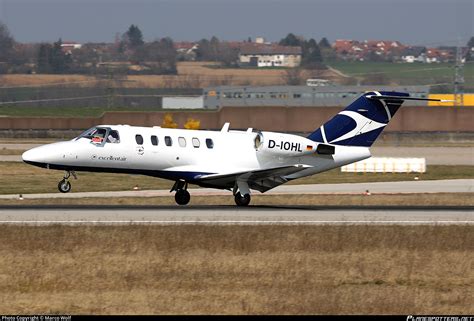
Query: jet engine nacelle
[284, 144]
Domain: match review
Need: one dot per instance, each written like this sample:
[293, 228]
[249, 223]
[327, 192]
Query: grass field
[237, 269]
[21, 178]
[406, 74]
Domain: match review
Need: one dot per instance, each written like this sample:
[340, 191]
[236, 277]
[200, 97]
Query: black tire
[64, 186]
[242, 200]
[182, 197]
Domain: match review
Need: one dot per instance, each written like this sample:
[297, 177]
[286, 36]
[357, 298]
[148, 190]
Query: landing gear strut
[182, 196]
[241, 193]
[64, 186]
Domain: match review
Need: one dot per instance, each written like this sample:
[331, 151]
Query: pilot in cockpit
[98, 136]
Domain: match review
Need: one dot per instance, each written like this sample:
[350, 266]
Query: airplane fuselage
[179, 154]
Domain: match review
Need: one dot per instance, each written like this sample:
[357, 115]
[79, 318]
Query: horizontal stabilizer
[385, 97]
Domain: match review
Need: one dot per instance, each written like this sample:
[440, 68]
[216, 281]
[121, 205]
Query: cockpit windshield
[100, 135]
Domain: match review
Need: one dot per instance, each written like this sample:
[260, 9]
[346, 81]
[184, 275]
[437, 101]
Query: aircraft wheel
[64, 186]
[242, 200]
[182, 197]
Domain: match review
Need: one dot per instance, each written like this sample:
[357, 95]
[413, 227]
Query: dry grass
[41, 80]
[7, 151]
[190, 74]
[420, 199]
[237, 269]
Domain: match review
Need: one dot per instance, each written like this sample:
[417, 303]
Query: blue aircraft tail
[362, 121]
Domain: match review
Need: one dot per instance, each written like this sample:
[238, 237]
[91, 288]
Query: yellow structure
[168, 122]
[192, 124]
[468, 100]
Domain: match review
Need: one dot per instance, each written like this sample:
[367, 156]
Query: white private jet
[235, 160]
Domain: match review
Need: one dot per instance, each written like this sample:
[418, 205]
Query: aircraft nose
[33, 155]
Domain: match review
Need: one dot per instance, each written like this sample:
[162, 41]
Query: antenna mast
[459, 78]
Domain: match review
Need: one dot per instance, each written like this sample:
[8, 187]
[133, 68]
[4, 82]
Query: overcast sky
[426, 22]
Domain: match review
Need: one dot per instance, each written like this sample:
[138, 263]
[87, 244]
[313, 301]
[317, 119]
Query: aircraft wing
[261, 180]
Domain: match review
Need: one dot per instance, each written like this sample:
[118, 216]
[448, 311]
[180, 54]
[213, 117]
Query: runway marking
[211, 222]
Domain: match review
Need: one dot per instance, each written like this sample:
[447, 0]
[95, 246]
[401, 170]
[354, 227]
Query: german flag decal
[309, 147]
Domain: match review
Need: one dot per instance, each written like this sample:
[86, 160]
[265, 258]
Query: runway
[401, 187]
[232, 215]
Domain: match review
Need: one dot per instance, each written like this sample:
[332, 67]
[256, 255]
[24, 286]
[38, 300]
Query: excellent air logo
[294, 147]
[109, 158]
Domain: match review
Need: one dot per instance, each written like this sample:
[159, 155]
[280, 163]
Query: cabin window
[209, 143]
[154, 140]
[113, 137]
[168, 141]
[139, 139]
[182, 141]
[196, 142]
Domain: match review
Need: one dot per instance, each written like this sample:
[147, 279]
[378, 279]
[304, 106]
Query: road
[438, 186]
[232, 215]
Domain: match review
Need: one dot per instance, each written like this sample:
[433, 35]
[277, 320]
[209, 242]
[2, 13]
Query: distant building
[317, 82]
[69, 46]
[292, 96]
[362, 50]
[264, 55]
[183, 102]
[434, 55]
[414, 54]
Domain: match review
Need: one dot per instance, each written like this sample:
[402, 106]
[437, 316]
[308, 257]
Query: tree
[470, 48]
[134, 37]
[160, 55]
[60, 61]
[215, 50]
[44, 58]
[324, 43]
[470, 43]
[192, 123]
[228, 56]
[327, 51]
[291, 40]
[168, 121]
[311, 54]
[52, 59]
[6, 44]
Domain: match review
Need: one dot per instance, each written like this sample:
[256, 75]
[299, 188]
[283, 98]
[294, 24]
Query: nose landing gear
[64, 186]
[182, 196]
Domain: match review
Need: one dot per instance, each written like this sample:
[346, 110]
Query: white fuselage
[191, 153]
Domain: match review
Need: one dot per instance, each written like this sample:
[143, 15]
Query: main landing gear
[64, 186]
[242, 200]
[241, 193]
[182, 196]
